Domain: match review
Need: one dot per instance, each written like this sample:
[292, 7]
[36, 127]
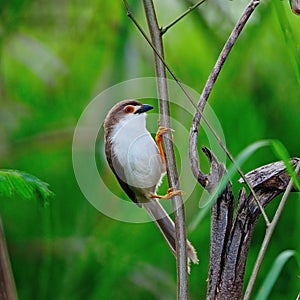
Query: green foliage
[17, 183]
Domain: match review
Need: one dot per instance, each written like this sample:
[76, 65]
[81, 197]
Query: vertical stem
[177, 202]
[7, 284]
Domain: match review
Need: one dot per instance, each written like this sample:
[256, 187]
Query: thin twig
[164, 120]
[268, 235]
[205, 94]
[191, 8]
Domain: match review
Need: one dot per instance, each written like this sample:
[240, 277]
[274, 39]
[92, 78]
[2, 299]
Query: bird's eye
[129, 109]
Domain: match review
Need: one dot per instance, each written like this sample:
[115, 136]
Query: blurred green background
[56, 56]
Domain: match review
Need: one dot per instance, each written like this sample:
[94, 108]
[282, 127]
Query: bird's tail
[167, 228]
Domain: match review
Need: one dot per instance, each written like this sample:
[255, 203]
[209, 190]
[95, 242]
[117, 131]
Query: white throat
[131, 125]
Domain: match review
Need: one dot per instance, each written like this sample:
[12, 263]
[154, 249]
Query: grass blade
[273, 274]
[282, 153]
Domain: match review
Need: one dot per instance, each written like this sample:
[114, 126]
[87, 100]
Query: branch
[177, 201]
[221, 222]
[198, 174]
[191, 8]
[231, 279]
[210, 84]
[7, 284]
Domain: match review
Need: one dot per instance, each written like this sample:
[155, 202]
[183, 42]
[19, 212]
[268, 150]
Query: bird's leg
[158, 138]
[171, 192]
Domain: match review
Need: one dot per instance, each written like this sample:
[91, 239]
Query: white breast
[137, 153]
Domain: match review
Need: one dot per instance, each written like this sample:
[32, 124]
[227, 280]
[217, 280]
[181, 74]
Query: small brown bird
[138, 164]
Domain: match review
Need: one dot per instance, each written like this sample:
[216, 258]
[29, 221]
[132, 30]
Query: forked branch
[190, 9]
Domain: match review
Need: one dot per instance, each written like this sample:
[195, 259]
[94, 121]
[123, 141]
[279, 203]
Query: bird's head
[126, 111]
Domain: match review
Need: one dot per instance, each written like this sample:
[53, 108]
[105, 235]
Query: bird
[138, 163]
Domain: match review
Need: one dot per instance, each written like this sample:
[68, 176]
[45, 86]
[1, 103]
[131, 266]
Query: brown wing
[118, 170]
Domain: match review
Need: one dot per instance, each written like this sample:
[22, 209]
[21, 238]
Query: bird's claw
[158, 138]
[160, 131]
[171, 192]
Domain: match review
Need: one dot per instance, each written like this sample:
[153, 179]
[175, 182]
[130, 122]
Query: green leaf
[273, 274]
[24, 185]
[5, 188]
[281, 152]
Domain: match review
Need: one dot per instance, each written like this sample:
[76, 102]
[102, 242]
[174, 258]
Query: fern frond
[24, 185]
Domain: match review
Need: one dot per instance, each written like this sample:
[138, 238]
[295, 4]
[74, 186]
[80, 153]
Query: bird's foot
[171, 192]
[158, 138]
[160, 131]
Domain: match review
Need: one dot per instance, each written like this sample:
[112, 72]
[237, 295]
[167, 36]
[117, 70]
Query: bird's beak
[144, 108]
